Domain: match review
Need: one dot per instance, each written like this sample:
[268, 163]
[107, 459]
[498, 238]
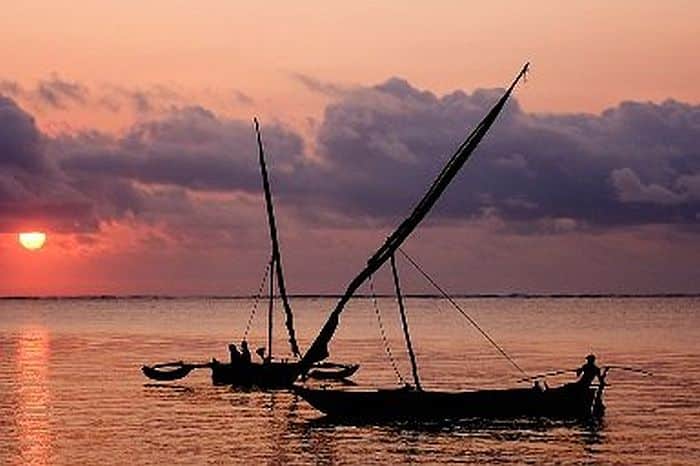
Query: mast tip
[523, 72]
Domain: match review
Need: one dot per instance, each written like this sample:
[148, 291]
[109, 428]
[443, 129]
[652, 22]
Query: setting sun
[32, 240]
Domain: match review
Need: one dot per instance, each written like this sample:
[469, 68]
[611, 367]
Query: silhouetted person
[588, 372]
[235, 354]
[245, 353]
[261, 352]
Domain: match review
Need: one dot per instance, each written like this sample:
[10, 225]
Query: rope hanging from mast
[463, 312]
[270, 310]
[382, 332]
[257, 300]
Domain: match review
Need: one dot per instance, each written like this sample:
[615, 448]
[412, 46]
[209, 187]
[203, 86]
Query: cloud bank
[376, 150]
[635, 164]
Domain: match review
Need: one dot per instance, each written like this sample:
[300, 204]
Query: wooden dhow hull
[568, 401]
[272, 375]
[275, 374]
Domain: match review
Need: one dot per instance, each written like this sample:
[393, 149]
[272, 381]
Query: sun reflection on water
[33, 395]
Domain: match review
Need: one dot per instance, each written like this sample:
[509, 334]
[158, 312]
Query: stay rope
[463, 312]
[382, 332]
[636, 370]
[257, 300]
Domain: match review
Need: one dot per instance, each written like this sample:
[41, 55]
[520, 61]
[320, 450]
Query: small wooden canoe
[333, 371]
[168, 371]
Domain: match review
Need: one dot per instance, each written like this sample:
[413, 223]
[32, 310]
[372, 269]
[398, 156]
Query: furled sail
[319, 348]
[276, 257]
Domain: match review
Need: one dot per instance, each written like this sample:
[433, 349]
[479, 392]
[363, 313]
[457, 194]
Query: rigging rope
[257, 300]
[463, 312]
[545, 375]
[382, 332]
[637, 370]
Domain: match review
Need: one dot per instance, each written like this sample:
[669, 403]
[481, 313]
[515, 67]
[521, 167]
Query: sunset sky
[126, 136]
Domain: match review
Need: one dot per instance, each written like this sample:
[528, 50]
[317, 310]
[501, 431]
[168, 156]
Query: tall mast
[319, 348]
[270, 315]
[404, 324]
[276, 256]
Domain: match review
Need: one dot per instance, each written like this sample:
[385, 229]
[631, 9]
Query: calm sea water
[71, 391]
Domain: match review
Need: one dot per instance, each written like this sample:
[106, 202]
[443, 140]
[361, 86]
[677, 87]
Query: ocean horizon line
[516, 295]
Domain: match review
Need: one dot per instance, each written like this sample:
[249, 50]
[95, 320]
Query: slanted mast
[276, 256]
[319, 348]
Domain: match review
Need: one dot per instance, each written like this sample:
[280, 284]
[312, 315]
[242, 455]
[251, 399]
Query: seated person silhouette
[245, 353]
[235, 354]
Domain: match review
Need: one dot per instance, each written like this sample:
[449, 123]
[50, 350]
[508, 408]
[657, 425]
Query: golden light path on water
[33, 396]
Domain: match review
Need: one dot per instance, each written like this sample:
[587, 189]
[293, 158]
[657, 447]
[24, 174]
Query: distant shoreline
[365, 296]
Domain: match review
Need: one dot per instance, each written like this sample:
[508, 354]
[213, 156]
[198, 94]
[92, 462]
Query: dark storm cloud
[74, 182]
[189, 148]
[378, 149]
[35, 192]
[20, 140]
[636, 163]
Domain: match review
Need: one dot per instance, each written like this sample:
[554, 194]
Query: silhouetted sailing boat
[269, 373]
[272, 373]
[571, 400]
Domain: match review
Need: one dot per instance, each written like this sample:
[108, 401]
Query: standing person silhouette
[588, 372]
